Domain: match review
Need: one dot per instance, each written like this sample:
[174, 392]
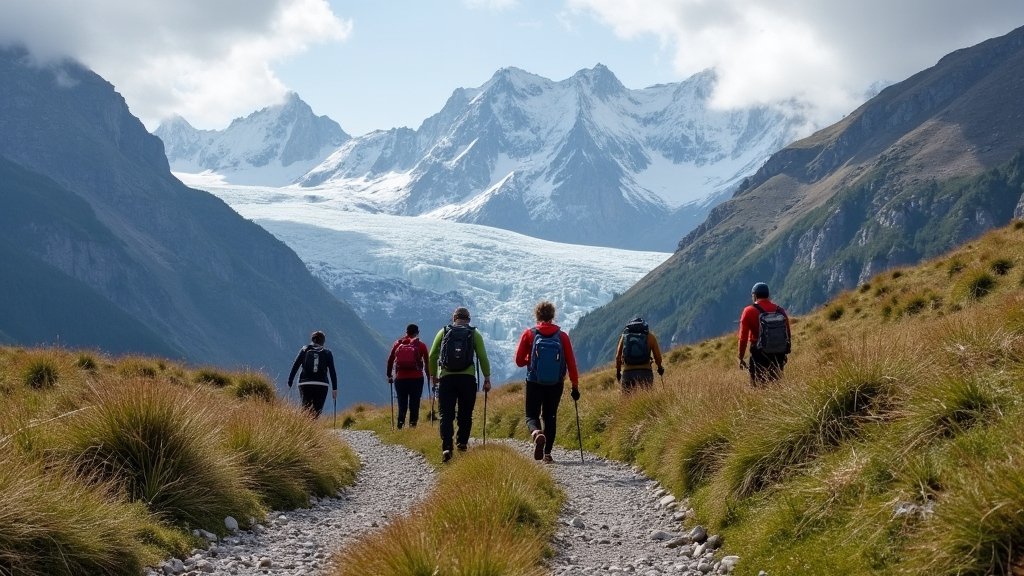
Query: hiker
[765, 326]
[317, 364]
[637, 346]
[453, 374]
[547, 353]
[409, 359]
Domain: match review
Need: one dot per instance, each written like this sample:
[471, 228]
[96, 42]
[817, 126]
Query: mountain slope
[571, 161]
[213, 286]
[275, 145]
[925, 165]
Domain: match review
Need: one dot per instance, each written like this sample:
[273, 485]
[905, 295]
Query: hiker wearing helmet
[408, 358]
[317, 365]
[547, 353]
[453, 373]
[764, 325]
[637, 347]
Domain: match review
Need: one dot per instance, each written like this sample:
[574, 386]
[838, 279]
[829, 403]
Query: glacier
[498, 274]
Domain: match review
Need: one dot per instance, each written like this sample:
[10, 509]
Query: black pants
[765, 368]
[313, 397]
[542, 404]
[456, 390]
[633, 379]
[409, 391]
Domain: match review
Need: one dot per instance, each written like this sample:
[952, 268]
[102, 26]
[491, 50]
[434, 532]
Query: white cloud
[824, 54]
[207, 60]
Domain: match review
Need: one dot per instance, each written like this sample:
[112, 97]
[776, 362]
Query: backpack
[314, 364]
[634, 345]
[547, 363]
[457, 346]
[407, 355]
[773, 338]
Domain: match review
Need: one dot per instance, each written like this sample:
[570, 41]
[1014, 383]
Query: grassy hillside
[106, 465]
[893, 445]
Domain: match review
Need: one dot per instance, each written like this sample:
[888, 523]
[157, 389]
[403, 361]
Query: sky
[379, 64]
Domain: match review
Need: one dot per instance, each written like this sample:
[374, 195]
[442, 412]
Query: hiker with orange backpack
[406, 366]
[637, 347]
[546, 352]
[765, 326]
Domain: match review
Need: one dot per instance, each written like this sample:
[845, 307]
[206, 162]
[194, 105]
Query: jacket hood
[547, 328]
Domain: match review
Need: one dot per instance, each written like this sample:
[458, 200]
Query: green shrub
[955, 267]
[897, 274]
[864, 287]
[834, 312]
[253, 385]
[212, 377]
[160, 445]
[1019, 224]
[40, 373]
[976, 284]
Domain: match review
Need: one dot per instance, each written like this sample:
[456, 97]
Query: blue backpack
[547, 362]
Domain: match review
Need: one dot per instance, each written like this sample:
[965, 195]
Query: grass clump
[492, 512]
[212, 377]
[253, 385]
[975, 285]
[288, 455]
[1001, 266]
[40, 373]
[136, 367]
[835, 312]
[159, 445]
[86, 362]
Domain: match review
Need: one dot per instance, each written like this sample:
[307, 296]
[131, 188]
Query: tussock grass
[159, 445]
[40, 373]
[212, 377]
[253, 385]
[52, 523]
[492, 512]
[287, 454]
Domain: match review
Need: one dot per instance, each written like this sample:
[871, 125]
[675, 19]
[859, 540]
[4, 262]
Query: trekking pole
[335, 412]
[662, 376]
[485, 417]
[432, 415]
[391, 390]
[579, 433]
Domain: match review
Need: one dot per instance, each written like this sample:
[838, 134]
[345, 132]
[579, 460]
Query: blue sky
[377, 64]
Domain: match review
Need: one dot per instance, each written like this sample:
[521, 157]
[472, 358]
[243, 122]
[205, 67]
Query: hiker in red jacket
[547, 353]
[768, 349]
[408, 358]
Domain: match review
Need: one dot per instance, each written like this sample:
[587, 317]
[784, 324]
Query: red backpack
[407, 355]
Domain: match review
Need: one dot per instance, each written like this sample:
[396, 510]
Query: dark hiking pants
[542, 404]
[765, 368]
[456, 390]
[409, 391]
[313, 395]
[634, 379]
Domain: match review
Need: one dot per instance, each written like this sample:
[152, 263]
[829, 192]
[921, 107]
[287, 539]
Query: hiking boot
[446, 456]
[548, 459]
[538, 444]
[462, 447]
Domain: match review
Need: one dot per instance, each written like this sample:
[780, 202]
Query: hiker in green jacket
[453, 372]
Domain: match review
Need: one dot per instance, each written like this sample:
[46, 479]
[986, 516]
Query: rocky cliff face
[92, 202]
[925, 165]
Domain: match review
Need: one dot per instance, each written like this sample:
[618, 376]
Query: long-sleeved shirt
[478, 349]
[300, 363]
[652, 344]
[422, 355]
[750, 322]
[547, 329]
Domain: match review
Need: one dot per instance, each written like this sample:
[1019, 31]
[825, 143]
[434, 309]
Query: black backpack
[457, 347]
[314, 363]
[634, 345]
[773, 337]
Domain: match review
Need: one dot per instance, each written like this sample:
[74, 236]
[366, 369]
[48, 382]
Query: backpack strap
[759, 309]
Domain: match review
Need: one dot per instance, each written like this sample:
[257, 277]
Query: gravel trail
[618, 520]
[301, 542]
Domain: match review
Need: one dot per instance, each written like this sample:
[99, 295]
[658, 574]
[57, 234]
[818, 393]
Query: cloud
[822, 55]
[208, 61]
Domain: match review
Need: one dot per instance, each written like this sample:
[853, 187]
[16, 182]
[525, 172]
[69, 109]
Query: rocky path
[617, 520]
[301, 542]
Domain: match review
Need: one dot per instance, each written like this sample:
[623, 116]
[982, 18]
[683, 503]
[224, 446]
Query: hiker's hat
[760, 290]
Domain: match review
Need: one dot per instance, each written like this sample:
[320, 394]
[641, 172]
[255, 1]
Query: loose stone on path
[301, 542]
